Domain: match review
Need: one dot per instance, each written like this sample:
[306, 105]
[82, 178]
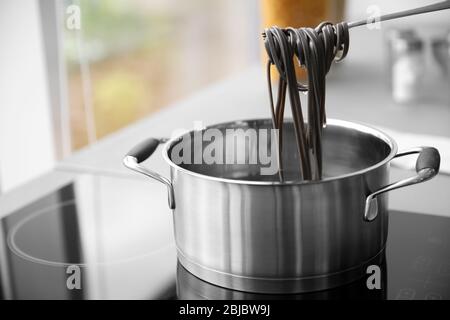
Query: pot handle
[142, 152]
[427, 166]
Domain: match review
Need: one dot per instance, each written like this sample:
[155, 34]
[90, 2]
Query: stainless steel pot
[237, 228]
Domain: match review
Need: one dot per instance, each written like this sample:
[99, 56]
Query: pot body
[284, 237]
[281, 238]
[244, 228]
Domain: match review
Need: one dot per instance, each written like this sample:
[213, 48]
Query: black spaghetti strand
[315, 50]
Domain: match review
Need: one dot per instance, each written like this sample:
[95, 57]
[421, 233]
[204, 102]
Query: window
[131, 58]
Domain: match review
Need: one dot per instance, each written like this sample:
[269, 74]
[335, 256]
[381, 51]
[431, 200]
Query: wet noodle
[315, 50]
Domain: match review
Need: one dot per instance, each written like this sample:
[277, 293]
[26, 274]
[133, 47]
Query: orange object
[299, 13]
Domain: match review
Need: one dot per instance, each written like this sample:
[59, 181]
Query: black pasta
[315, 49]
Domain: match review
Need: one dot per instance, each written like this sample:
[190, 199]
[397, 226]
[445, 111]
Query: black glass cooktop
[103, 237]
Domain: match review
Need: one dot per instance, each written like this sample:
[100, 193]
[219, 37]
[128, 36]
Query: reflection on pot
[189, 287]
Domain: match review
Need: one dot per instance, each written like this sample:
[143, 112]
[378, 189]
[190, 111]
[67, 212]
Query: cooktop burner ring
[15, 248]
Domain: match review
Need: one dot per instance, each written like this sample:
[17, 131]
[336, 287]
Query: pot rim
[341, 123]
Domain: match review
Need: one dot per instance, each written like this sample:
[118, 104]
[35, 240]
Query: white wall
[26, 137]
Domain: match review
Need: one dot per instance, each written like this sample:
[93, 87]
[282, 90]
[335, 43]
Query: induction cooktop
[105, 237]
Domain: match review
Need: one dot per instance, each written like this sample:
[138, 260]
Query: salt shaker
[406, 65]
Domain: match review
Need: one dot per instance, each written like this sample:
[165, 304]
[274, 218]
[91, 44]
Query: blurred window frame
[52, 36]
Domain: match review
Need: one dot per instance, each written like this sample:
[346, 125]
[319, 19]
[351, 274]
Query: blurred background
[74, 72]
[139, 56]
